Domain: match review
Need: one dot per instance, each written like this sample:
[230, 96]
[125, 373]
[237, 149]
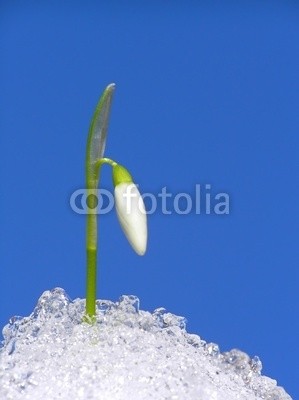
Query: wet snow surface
[127, 354]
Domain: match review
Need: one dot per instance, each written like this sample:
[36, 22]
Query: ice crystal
[127, 354]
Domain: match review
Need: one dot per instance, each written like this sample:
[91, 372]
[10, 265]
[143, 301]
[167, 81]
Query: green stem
[105, 160]
[91, 237]
[91, 253]
[94, 152]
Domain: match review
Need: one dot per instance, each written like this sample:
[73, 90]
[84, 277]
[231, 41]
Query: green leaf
[97, 135]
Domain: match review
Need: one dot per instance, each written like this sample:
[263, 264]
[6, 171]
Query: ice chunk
[127, 354]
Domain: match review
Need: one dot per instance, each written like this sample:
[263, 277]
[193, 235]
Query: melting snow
[127, 354]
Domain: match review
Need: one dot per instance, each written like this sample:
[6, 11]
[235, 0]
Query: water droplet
[256, 364]
[129, 303]
[166, 320]
[212, 349]
[195, 340]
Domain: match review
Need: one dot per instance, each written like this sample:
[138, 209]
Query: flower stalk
[94, 152]
[133, 223]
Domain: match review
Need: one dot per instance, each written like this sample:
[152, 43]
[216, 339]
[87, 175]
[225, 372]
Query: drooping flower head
[130, 209]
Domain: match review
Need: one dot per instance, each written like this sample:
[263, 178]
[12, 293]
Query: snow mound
[127, 354]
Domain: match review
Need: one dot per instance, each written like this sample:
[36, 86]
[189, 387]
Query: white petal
[132, 215]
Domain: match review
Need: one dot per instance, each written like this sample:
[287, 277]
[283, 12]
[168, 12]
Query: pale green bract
[98, 132]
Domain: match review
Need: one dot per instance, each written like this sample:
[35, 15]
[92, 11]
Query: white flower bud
[131, 215]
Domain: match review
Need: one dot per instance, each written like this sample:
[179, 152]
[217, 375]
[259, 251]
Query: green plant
[132, 217]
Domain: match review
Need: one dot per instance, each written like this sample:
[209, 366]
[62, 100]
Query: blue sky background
[207, 93]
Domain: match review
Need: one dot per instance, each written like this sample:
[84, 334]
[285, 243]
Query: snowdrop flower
[130, 209]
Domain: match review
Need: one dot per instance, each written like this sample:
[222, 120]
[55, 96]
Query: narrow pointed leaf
[97, 134]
